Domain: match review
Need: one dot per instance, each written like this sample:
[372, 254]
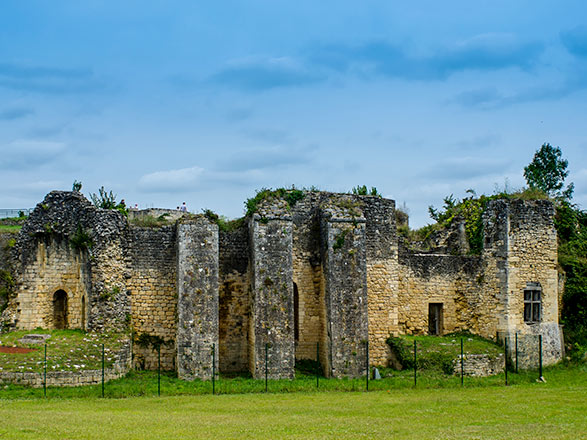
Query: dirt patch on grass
[13, 350]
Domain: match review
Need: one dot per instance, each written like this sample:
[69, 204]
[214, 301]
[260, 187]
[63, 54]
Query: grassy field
[553, 410]
[67, 350]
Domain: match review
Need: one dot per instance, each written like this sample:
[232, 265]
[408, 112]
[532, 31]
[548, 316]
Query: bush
[291, 196]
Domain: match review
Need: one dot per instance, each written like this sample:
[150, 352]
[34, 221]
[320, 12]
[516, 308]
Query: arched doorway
[60, 309]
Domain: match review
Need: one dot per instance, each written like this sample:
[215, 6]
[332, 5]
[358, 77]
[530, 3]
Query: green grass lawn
[10, 228]
[67, 350]
[553, 410]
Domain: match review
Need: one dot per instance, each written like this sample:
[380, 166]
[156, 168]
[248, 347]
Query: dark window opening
[532, 303]
[83, 313]
[435, 318]
[60, 310]
[296, 312]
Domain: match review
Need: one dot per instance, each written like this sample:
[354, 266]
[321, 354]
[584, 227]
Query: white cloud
[170, 180]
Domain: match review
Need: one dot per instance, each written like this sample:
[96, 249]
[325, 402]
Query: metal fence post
[159, 369]
[516, 352]
[317, 364]
[213, 369]
[462, 364]
[505, 352]
[266, 366]
[102, 370]
[415, 364]
[367, 359]
[540, 357]
[45, 374]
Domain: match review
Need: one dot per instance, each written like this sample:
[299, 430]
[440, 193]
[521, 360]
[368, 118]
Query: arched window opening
[60, 309]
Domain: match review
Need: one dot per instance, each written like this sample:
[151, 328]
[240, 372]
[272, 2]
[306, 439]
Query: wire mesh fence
[101, 365]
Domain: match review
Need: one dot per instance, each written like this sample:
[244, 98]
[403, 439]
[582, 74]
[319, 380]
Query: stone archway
[60, 309]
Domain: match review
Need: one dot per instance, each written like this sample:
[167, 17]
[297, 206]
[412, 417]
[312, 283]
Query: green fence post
[516, 352]
[266, 366]
[462, 364]
[367, 358]
[102, 370]
[45, 373]
[540, 356]
[213, 369]
[415, 364]
[505, 352]
[317, 364]
[159, 369]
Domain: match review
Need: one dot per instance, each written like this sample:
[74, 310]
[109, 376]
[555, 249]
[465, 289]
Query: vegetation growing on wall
[107, 200]
[149, 221]
[361, 190]
[291, 196]
[6, 286]
[545, 176]
[224, 224]
[81, 240]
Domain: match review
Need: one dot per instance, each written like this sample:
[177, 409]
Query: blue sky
[205, 102]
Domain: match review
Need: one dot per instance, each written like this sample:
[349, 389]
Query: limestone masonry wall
[271, 326]
[152, 283]
[305, 268]
[197, 282]
[449, 280]
[234, 306]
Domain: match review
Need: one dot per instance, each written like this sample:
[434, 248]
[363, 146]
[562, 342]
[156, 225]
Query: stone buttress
[271, 323]
[197, 297]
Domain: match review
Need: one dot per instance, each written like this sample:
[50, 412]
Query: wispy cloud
[50, 80]
[11, 114]
[575, 41]
[265, 158]
[482, 52]
[486, 52]
[195, 178]
[464, 168]
[27, 154]
[170, 180]
[265, 73]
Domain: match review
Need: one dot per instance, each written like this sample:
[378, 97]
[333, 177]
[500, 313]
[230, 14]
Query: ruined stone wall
[450, 280]
[68, 244]
[345, 285]
[272, 302]
[233, 312]
[56, 266]
[197, 306]
[527, 254]
[382, 275]
[307, 276]
[152, 285]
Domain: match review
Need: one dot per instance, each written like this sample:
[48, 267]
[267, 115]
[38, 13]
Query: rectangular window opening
[532, 303]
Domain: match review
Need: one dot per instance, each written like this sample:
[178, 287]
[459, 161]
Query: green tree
[548, 171]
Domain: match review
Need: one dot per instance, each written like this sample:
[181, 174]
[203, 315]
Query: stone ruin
[328, 269]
